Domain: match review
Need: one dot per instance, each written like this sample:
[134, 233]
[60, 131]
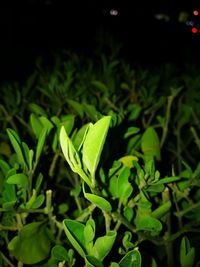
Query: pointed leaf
[103, 245]
[94, 143]
[75, 233]
[100, 202]
[40, 144]
[19, 179]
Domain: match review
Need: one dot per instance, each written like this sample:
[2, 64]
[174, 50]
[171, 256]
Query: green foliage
[99, 166]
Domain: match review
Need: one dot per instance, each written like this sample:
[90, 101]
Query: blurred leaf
[19, 179]
[31, 245]
[131, 131]
[76, 106]
[187, 253]
[150, 144]
[40, 144]
[37, 109]
[60, 253]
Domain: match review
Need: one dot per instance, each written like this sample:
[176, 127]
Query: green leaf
[36, 124]
[71, 155]
[40, 144]
[131, 259]
[124, 187]
[19, 179]
[100, 202]
[76, 106]
[38, 202]
[161, 210]
[79, 138]
[148, 223]
[4, 166]
[89, 231]
[187, 253]
[31, 245]
[16, 143]
[91, 261]
[150, 144]
[131, 131]
[75, 233]
[68, 122]
[60, 253]
[37, 109]
[103, 245]
[168, 180]
[94, 142]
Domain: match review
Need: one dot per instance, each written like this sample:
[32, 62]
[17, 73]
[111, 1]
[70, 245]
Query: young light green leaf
[68, 122]
[71, 155]
[131, 259]
[150, 144]
[38, 202]
[100, 202]
[31, 245]
[103, 245]
[19, 179]
[89, 231]
[148, 223]
[79, 138]
[94, 142]
[75, 233]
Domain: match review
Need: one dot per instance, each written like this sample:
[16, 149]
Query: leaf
[100, 202]
[71, 155]
[103, 245]
[75, 233]
[4, 166]
[168, 180]
[131, 131]
[31, 245]
[94, 142]
[124, 187]
[19, 179]
[91, 261]
[76, 106]
[40, 144]
[38, 202]
[89, 231]
[60, 253]
[150, 144]
[187, 254]
[161, 210]
[36, 124]
[148, 223]
[68, 122]
[16, 143]
[131, 259]
[79, 138]
[37, 109]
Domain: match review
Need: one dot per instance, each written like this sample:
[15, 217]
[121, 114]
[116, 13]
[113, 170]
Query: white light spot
[114, 12]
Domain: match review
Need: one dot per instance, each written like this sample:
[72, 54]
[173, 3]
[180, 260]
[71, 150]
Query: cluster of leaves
[99, 166]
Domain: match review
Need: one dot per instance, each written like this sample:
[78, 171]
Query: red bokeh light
[194, 30]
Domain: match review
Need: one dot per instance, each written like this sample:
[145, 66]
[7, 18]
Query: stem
[196, 138]
[122, 220]
[49, 209]
[182, 213]
[107, 221]
[86, 213]
[7, 260]
[168, 115]
[53, 164]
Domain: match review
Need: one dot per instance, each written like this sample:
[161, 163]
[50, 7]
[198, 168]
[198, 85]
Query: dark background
[29, 28]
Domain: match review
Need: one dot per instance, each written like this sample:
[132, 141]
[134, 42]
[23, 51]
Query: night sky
[34, 27]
